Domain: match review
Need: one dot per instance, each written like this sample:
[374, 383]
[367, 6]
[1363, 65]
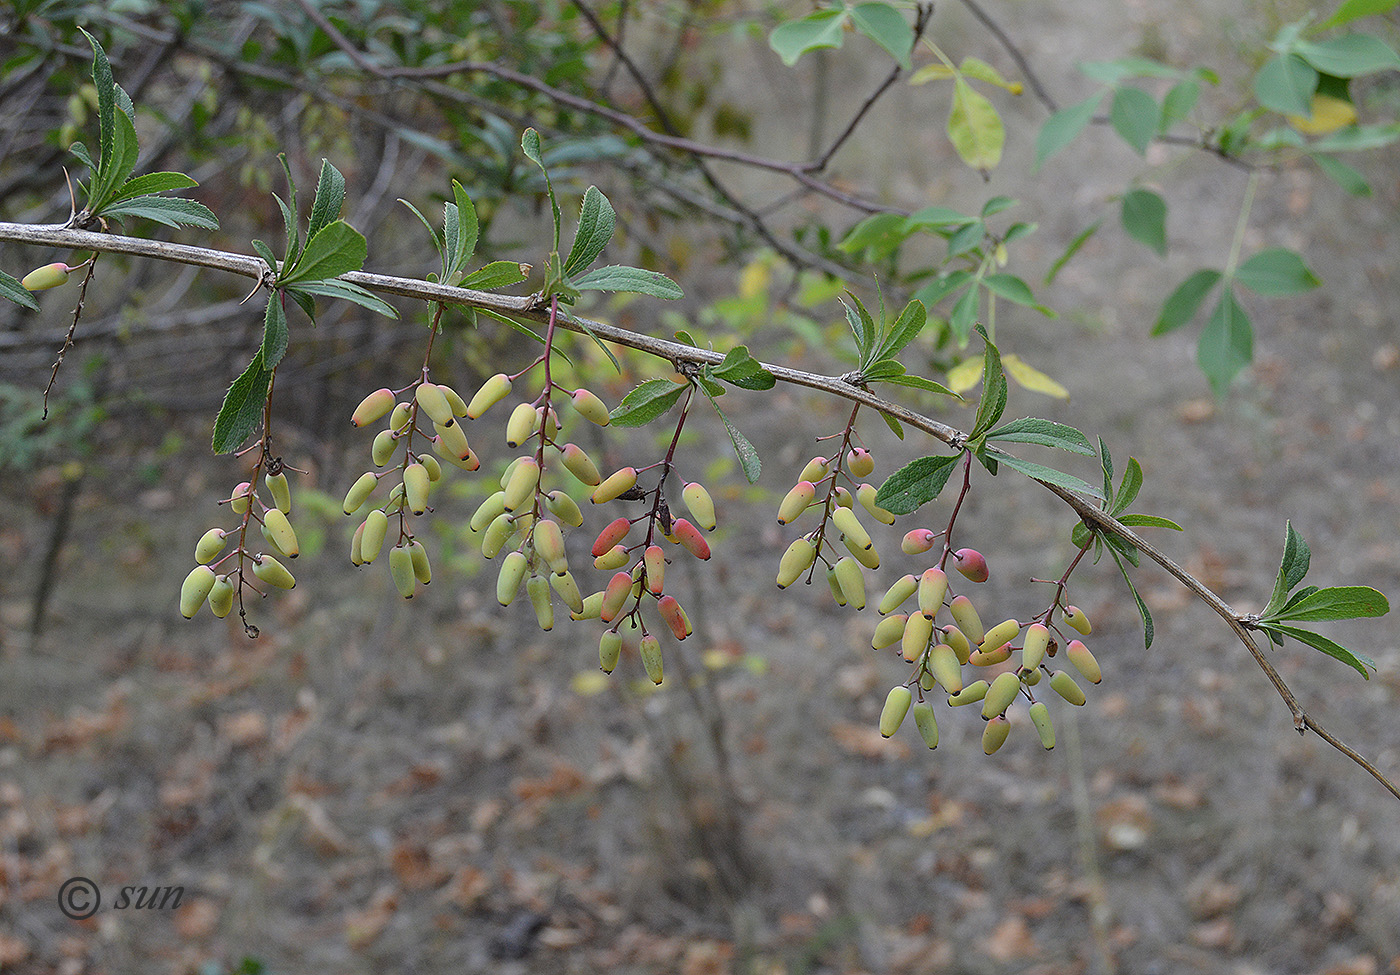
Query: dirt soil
[374, 785]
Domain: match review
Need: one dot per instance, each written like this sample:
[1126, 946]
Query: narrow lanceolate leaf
[1106, 462]
[1135, 520]
[1010, 287]
[1061, 128]
[1226, 344]
[330, 195]
[345, 290]
[530, 145]
[1079, 241]
[242, 409]
[1276, 271]
[106, 87]
[916, 483]
[462, 244]
[152, 183]
[595, 228]
[497, 274]
[1047, 433]
[743, 370]
[1353, 9]
[1032, 378]
[172, 211]
[1350, 55]
[335, 249]
[1181, 305]
[1292, 568]
[975, 128]
[918, 382]
[646, 402]
[1128, 488]
[1336, 603]
[274, 343]
[1147, 627]
[906, 327]
[1049, 475]
[748, 456]
[616, 277]
[11, 288]
[1317, 641]
[993, 389]
[862, 327]
[1145, 219]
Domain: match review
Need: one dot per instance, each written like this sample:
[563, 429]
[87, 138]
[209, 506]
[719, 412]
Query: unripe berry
[970, 694]
[280, 490]
[927, 724]
[564, 508]
[537, 588]
[894, 597]
[888, 631]
[671, 612]
[616, 484]
[508, 580]
[918, 541]
[1000, 635]
[614, 558]
[926, 678]
[796, 560]
[359, 492]
[195, 589]
[933, 586]
[451, 441]
[454, 400]
[399, 418]
[816, 469]
[896, 707]
[852, 581]
[689, 536]
[701, 506]
[1030, 677]
[619, 588]
[471, 462]
[567, 588]
[1033, 649]
[491, 392]
[422, 568]
[961, 645]
[994, 734]
[520, 489]
[944, 664]
[609, 650]
[588, 610]
[1076, 618]
[46, 277]
[431, 465]
[615, 531]
[415, 488]
[372, 407]
[383, 447]
[580, 465]
[965, 614]
[221, 597]
[493, 539]
[650, 648]
[1084, 661]
[654, 560]
[549, 542]
[859, 462]
[395, 502]
[796, 501]
[837, 593]
[355, 557]
[433, 401]
[990, 659]
[918, 630]
[856, 536]
[210, 544]
[1001, 694]
[280, 532]
[486, 512]
[1063, 684]
[1040, 717]
[520, 425]
[590, 407]
[865, 494]
[238, 501]
[274, 573]
[971, 564]
[401, 570]
[843, 497]
[376, 527]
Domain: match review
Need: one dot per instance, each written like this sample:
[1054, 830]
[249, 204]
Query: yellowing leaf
[1032, 378]
[755, 278]
[982, 71]
[931, 72]
[716, 659]
[965, 375]
[975, 128]
[589, 682]
[1328, 115]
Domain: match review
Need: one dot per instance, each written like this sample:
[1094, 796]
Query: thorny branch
[527, 307]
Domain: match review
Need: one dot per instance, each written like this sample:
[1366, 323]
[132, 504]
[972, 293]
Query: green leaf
[242, 409]
[1299, 596]
[882, 371]
[449, 215]
[975, 128]
[1135, 520]
[1127, 488]
[1276, 271]
[335, 249]
[330, 195]
[152, 183]
[1319, 642]
[1355, 9]
[893, 424]
[1336, 603]
[646, 402]
[1349, 56]
[964, 315]
[881, 234]
[919, 382]
[106, 87]
[1120, 69]
[616, 277]
[1079, 241]
[1135, 116]
[334, 288]
[993, 402]
[1181, 305]
[173, 211]
[887, 27]
[1286, 85]
[530, 145]
[1061, 128]
[1049, 475]
[595, 228]
[1047, 433]
[1176, 107]
[1358, 138]
[84, 157]
[1292, 568]
[275, 334]
[1343, 175]
[1147, 628]
[1080, 535]
[741, 369]
[916, 483]
[939, 288]
[1106, 462]
[1122, 546]
[932, 218]
[748, 456]
[1145, 219]
[862, 327]
[114, 171]
[587, 330]
[905, 329]
[1010, 287]
[497, 274]
[266, 254]
[796, 37]
[11, 288]
[1226, 344]
[462, 245]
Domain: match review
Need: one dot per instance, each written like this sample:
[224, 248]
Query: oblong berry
[422, 568]
[954, 638]
[888, 631]
[382, 448]
[859, 462]
[965, 615]
[994, 734]
[564, 508]
[1063, 684]
[609, 650]
[590, 407]
[580, 465]
[376, 527]
[852, 581]
[1001, 694]
[508, 580]
[280, 490]
[612, 533]
[46, 277]
[372, 407]
[1034, 645]
[970, 694]
[415, 487]
[451, 441]
[433, 401]
[520, 425]
[496, 534]
[491, 392]
[359, 492]
[614, 558]
[616, 484]
[1077, 618]
[650, 649]
[897, 703]
[991, 658]
[895, 596]
[1040, 717]
[221, 597]
[816, 469]
[486, 512]
[796, 501]
[927, 723]
[567, 587]
[1084, 661]
[670, 609]
[944, 664]
[834, 584]
[918, 541]
[972, 564]
[615, 595]
[195, 589]
[238, 501]
[933, 586]
[918, 629]
[520, 489]
[401, 570]
[999, 635]
[549, 542]
[274, 573]
[210, 544]
[654, 561]
[845, 519]
[865, 494]
[281, 533]
[796, 560]
[537, 588]
[592, 603]
[690, 538]
[700, 504]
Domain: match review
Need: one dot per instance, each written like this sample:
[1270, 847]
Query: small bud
[372, 407]
[896, 707]
[196, 587]
[491, 392]
[700, 505]
[918, 541]
[971, 564]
